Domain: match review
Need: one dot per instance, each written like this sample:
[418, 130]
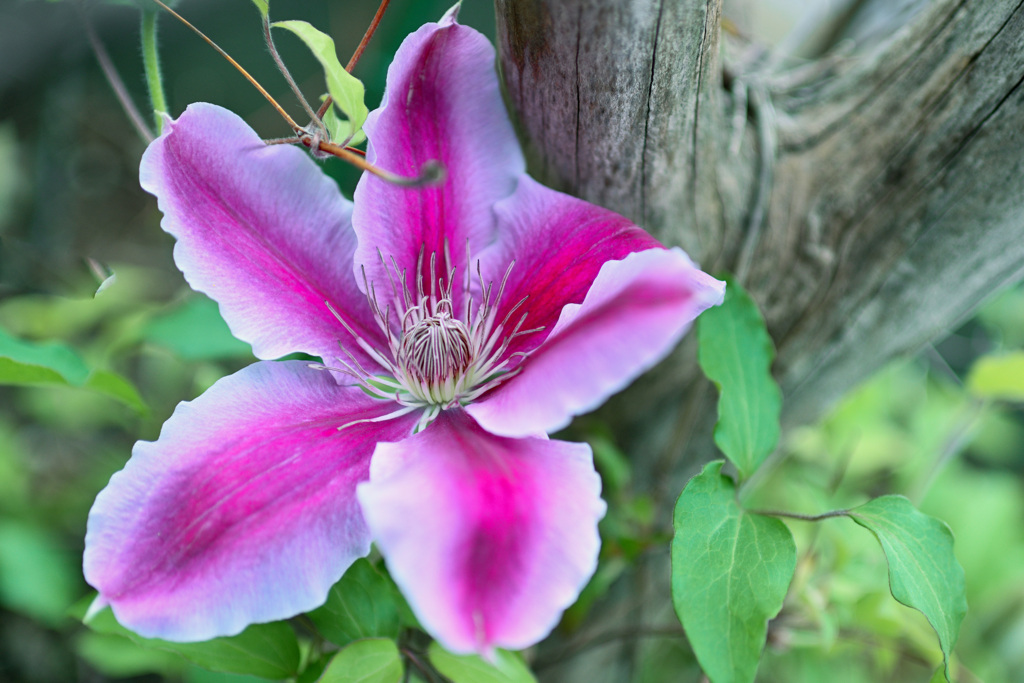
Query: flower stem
[268, 36]
[114, 79]
[151, 63]
[431, 173]
[370, 30]
[288, 119]
[802, 518]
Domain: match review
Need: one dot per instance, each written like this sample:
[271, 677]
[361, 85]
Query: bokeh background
[70, 207]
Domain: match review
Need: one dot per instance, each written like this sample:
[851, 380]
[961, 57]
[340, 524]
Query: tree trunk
[868, 200]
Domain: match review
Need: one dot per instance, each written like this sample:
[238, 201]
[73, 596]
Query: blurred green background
[120, 360]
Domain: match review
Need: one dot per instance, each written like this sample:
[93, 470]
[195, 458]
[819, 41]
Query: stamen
[381, 418]
[434, 358]
[383, 362]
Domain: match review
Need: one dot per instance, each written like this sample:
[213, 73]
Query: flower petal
[558, 244]
[243, 510]
[635, 312]
[262, 231]
[489, 538]
[442, 103]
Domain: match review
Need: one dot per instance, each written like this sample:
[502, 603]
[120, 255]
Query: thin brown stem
[114, 79]
[280, 110]
[370, 30]
[802, 518]
[431, 173]
[324, 107]
[294, 140]
[354, 59]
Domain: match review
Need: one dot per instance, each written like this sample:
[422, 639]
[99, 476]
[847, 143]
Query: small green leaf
[267, 650]
[29, 364]
[999, 377]
[263, 6]
[736, 354]
[730, 573]
[340, 129]
[361, 605]
[51, 356]
[923, 571]
[117, 387]
[14, 373]
[195, 330]
[346, 90]
[373, 660]
[508, 667]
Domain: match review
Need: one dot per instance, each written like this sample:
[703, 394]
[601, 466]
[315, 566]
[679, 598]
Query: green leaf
[263, 6]
[341, 129]
[998, 377]
[346, 90]
[14, 373]
[508, 667]
[923, 571]
[267, 650]
[736, 354]
[361, 605]
[32, 360]
[195, 330]
[117, 387]
[25, 363]
[730, 573]
[374, 660]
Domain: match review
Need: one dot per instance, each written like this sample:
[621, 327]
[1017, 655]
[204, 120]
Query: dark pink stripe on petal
[243, 510]
[558, 244]
[442, 103]
[262, 231]
[634, 313]
[489, 538]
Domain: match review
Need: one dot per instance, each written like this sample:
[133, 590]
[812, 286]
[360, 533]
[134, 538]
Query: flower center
[435, 360]
[434, 353]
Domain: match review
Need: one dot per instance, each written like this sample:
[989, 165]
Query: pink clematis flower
[460, 324]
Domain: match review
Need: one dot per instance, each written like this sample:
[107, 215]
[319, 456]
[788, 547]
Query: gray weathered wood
[869, 200]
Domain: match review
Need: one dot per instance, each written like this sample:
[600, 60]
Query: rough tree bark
[869, 199]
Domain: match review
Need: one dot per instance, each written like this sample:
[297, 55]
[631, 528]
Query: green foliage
[736, 354]
[998, 377]
[903, 431]
[923, 571]
[730, 573]
[373, 660]
[362, 604]
[345, 89]
[194, 330]
[30, 364]
[266, 650]
[506, 668]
